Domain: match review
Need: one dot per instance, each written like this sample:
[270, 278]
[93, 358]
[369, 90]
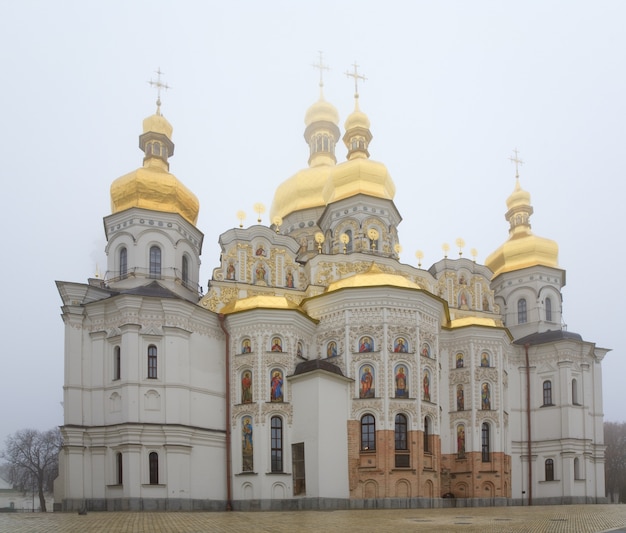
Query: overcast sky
[452, 88]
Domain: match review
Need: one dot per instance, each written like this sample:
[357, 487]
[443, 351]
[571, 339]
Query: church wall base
[141, 504]
[562, 500]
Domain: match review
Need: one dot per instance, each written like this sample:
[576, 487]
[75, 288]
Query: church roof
[548, 336]
[317, 364]
[154, 289]
[373, 277]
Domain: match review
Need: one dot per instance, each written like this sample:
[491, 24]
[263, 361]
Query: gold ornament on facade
[241, 216]
[319, 239]
[474, 254]
[446, 248]
[259, 209]
[373, 237]
[344, 240]
[420, 255]
[277, 221]
[460, 243]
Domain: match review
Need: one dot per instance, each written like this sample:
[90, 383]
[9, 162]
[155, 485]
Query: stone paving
[564, 518]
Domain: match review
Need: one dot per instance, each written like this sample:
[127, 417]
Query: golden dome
[321, 111]
[373, 277]
[359, 176]
[522, 249]
[260, 302]
[357, 119]
[302, 191]
[152, 186]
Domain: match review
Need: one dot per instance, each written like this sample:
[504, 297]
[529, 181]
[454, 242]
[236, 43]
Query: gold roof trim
[261, 301]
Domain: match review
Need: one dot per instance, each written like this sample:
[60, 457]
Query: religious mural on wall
[276, 386]
[485, 396]
[366, 345]
[426, 386]
[460, 398]
[331, 349]
[400, 345]
[246, 387]
[402, 389]
[247, 445]
[367, 388]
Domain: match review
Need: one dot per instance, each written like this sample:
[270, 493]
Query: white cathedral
[318, 371]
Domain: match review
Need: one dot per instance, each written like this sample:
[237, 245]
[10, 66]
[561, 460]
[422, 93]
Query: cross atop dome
[517, 162]
[159, 85]
[321, 67]
[356, 77]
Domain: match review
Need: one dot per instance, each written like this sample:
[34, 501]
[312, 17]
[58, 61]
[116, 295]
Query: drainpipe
[530, 470]
[229, 461]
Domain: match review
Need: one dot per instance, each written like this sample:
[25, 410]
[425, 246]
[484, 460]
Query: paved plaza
[562, 518]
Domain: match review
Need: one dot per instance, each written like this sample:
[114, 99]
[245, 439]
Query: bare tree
[33, 459]
[615, 460]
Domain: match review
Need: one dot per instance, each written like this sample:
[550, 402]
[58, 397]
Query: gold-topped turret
[523, 249]
[152, 186]
[304, 189]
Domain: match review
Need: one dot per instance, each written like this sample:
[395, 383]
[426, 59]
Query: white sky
[452, 89]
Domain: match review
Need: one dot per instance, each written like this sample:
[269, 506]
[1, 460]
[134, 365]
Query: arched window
[152, 362]
[547, 392]
[153, 461]
[522, 317]
[485, 441]
[549, 470]
[426, 435]
[117, 363]
[123, 263]
[401, 432]
[368, 433]
[277, 444]
[185, 270]
[548, 310]
[119, 468]
[576, 468]
[575, 392]
[155, 262]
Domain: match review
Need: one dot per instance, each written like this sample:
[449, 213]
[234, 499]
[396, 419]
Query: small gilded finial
[474, 253]
[344, 240]
[277, 223]
[420, 255]
[241, 215]
[373, 237]
[446, 248]
[319, 239]
[320, 65]
[259, 209]
[356, 77]
[460, 243]
[517, 162]
[159, 85]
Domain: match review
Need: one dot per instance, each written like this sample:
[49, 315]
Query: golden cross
[159, 85]
[356, 77]
[320, 65]
[517, 162]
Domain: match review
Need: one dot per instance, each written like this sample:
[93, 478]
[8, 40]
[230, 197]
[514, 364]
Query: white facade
[318, 371]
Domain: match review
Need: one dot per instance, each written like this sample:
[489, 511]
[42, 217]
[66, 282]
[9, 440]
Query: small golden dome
[359, 176]
[519, 197]
[157, 123]
[152, 186]
[475, 321]
[321, 111]
[260, 302]
[523, 249]
[373, 277]
[357, 119]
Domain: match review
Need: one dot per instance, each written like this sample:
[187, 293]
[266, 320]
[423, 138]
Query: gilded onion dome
[373, 277]
[522, 249]
[359, 175]
[263, 301]
[304, 189]
[152, 186]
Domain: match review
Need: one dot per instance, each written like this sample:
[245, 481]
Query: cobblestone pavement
[565, 518]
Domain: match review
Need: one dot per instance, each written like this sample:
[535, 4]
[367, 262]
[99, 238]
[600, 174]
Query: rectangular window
[297, 461]
[547, 393]
[152, 362]
[277, 444]
[117, 362]
[154, 468]
[403, 460]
